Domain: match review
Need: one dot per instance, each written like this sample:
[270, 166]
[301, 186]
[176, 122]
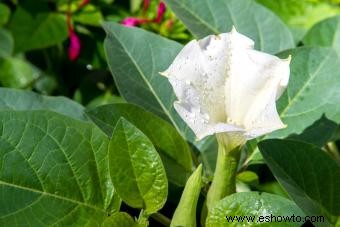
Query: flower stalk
[185, 214]
[224, 181]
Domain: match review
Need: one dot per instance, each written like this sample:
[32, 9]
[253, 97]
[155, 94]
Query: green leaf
[251, 19]
[17, 73]
[313, 89]
[5, 13]
[272, 187]
[54, 171]
[89, 15]
[310, 177]
[135, 5]
[135, 58]
[6, 43]
[208, 155]
[301, 15]
[136, 169]
[319, 133]
[174, 151]
[119, 219]
[34, 31]
[12, 99]
[325, 33]
[248, 177]
[253, 205]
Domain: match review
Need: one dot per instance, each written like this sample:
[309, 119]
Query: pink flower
[133, 21]
[74, 46]
[160, 12]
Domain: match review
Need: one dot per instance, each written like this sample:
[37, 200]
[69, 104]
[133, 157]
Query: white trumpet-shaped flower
[224, 85]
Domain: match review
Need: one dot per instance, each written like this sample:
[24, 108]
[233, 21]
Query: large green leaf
[37, 30]
[54, 171]
[6, 43]
[135, 58]
[12, 99]
[213, 17]
[310, 176]
[253, 208]
[325, 33]
[136, 169]
[17, 73]
[313, 89]
[174, 151]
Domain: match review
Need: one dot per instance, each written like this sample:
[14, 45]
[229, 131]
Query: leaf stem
[143, 219]
[224, 181]
[160, 218]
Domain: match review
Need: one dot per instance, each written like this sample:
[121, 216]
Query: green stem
[185, 213]
[224, 181]
[142, 219]
[160, 218]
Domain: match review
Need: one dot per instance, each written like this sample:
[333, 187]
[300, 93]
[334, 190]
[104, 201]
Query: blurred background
[55, 47]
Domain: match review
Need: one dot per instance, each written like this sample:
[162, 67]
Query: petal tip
[288, 59]
[165, 73]
[233, 29]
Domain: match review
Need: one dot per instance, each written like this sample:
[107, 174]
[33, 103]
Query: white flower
[224, 85]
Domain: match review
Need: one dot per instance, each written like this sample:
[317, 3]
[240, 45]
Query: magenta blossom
[160, 12]
[133, 21]
[74, 46]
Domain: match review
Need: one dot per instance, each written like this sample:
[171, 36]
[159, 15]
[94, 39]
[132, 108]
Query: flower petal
[198, 122]
[190, 71]
[266, 121]
[253, 77]
[74, 46]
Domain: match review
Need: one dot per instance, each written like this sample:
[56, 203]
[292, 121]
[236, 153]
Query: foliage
[302, 15]
[79, 147]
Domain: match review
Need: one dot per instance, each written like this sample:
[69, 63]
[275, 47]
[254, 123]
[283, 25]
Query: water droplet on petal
[206, 118]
